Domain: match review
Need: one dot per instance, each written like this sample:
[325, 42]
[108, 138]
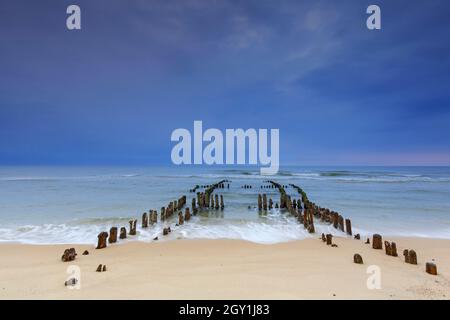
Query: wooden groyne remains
[203, 201]
[301, 208]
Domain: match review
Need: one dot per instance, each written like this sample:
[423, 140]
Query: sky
[113, 92]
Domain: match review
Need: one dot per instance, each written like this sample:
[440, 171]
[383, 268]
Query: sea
[68, 204]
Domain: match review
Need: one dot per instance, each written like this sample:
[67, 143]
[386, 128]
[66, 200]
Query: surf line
[236, 142]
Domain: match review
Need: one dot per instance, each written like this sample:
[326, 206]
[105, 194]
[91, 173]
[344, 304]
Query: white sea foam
[258, 232]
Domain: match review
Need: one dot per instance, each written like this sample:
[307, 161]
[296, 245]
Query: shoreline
[226, 269]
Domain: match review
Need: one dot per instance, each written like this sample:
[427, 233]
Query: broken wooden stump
[324, 238]
[357, 258]
[341, 223]
[102, 240]
[132, 227]
[357, 236]
[335, 220]
[431, 268]
[259, 202]
[410, 256]
[69, 255]
[99, 268]
[187, 214]
[112, 235]
[270, 204]
[367, 241]
[71, 282]
[123, 233]
[85, 253]
[329, 238]
[180, 218]
[377, 241]
[222, 205]
[166, 231]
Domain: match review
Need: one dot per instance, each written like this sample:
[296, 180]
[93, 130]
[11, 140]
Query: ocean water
[44, 205]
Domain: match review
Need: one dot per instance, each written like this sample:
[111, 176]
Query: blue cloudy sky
[113, 92]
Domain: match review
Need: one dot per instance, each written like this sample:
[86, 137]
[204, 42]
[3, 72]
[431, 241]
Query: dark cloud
[114, 91]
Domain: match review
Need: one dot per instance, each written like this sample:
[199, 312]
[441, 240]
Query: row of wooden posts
[220, 185]
[205, 200]
[390, 250]
[305, 214]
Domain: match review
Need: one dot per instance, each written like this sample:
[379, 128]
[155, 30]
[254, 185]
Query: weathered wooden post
[199, 201]
[335, 220]
[123, 233]
[341, 223]
[180, 218]
[329, 238]
[387, 247]
[144, 220]
[406, 255]
[299, 204]
[431, 268]
[259, 202]
[305, 219]
[207, 199]
[311, 223]
[222, 205]
[212, 202]
[69, 255]
[357, 259]
[102, 240]
[187, 214]
[377, 242]
[348, 226]
[265, 201]
[412, 257]
[132, 227]
[216, 199]
[270, 204]
[112, 235]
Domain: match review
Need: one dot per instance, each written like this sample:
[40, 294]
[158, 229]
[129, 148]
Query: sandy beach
[225, 269]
